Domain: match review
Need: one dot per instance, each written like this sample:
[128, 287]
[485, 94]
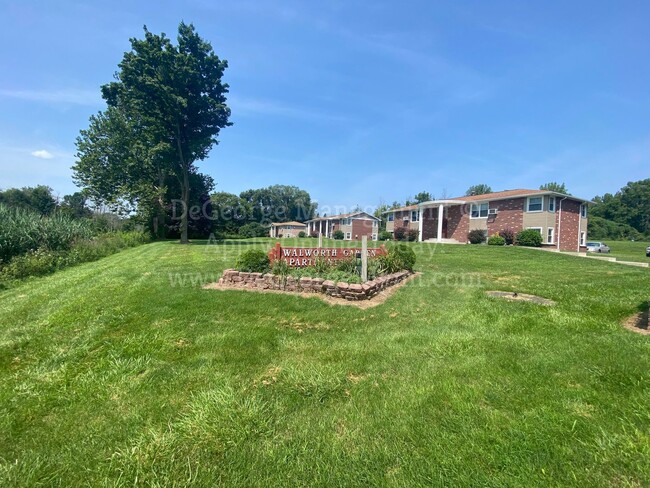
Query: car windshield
[592, 244]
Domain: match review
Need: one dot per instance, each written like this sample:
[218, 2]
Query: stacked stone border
[348, 291]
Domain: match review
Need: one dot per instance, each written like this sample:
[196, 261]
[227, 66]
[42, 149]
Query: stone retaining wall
[349, 291]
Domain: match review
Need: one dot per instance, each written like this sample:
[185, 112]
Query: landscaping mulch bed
[520, 297]
[378, 299]
[639, 323]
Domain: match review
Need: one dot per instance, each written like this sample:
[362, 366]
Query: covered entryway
[434, 219]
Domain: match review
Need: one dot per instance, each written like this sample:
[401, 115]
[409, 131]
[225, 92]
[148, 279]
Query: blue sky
[357, 102]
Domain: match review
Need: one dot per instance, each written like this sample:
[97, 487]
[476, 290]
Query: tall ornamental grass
[23, 231]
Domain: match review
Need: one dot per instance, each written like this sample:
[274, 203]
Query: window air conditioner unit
[492, 211]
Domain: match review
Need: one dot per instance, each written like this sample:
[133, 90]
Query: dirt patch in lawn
[638, 323]
[378, 299]
[520, 297]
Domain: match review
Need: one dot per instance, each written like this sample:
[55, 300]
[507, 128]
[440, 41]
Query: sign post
[320, 240]
[364, 259]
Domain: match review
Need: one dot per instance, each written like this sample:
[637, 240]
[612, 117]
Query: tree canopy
[480, 189]
[165, 111]
[556, 187]
[423, 196]
[36, 198]
[629, 206]
[235, 214]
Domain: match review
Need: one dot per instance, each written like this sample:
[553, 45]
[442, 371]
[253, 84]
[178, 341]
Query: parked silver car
[597, 247]
[647, 251]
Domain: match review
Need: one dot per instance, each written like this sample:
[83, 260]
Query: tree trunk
[185, 187]
[185, 195]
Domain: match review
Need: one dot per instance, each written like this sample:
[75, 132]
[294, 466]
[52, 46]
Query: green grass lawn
[111, 376]
[628, 250]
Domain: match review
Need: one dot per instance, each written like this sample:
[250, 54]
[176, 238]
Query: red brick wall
[458, 222]
[361, 227]
[399, 219]
[430, 223]
[510, 215]
[570, 229]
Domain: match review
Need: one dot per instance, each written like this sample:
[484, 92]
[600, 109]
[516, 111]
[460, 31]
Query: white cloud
[42, 154]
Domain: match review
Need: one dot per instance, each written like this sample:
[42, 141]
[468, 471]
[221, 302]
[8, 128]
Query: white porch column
[327, 228]
[441, 209]
[421, 211]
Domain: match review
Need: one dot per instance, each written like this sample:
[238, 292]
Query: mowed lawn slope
[111, 376]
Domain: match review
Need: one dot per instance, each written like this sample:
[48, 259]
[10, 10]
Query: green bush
[384, 235]
[338, 235]
[400, 233]
[529, 238]
[398, 258]
[253, 261]
[44, 261]
[600, 228]
[412, 235]
[348, 265]
[302, 233]
[476, 236]
[496, 240]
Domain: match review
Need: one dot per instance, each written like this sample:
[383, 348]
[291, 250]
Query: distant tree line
[250, 213]
[622, 215]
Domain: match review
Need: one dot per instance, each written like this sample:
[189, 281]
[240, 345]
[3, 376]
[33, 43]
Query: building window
[346, 221]
[391, 217]
[538, 229]
[415, 215]
[583, 211]
[535, 204]
[551, 204]
[373, 237]
[479, 210]
[348, 236]
[583, 238]
[550, 235]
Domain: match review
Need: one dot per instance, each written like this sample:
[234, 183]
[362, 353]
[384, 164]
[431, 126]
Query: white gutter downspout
[420, 222]
[579, 225]
[559, 225]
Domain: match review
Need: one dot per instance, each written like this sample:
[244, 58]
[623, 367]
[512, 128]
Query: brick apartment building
[560, 219]
[287, 229]
[354, 225]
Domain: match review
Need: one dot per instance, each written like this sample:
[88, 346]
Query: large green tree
[423, 196]
[230, 212]
[630, 206]
[556, 187]
[480, 189]
[36, 198]
[165, 111]
[75, 206]
[279, 203]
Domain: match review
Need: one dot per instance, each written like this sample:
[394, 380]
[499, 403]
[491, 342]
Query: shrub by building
[529, 238]
[508, 235]
[496, 240]
[476, 236]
